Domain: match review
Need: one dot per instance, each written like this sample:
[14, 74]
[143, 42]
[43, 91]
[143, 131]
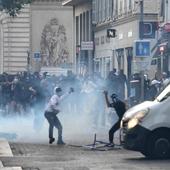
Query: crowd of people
[154, 86]
[24, 93]
[21, 92]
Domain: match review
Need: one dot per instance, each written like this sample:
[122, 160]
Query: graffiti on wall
[54, 49]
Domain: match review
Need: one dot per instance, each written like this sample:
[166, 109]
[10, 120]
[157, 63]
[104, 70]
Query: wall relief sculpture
[54, 49]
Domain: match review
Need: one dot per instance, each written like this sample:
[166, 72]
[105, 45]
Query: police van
[146, 127]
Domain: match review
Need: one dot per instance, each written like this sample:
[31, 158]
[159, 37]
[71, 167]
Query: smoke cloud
[83, 113]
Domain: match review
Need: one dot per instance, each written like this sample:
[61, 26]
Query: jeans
[114, 128]
[53, 122]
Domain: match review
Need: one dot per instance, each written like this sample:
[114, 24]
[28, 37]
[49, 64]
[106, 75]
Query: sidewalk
[5, 151]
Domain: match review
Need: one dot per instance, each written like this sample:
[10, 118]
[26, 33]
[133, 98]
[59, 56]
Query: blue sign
[37, 55]
[147, 29]
[142, 48]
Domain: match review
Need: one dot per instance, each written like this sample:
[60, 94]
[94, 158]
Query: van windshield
[164, 94]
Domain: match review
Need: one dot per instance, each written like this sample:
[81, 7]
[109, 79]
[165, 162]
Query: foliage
[12, 7]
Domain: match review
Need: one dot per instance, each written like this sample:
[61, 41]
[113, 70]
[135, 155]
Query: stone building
[14, 41]
[123, 16]
[83, 33]
[163, 47]
[38, 38]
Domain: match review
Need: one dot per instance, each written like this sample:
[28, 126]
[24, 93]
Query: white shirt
[54, 101]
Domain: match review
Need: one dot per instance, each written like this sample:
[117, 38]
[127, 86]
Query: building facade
[84, 35]
[163, 47]
[40, 37]
[14, 41]
[117, 51]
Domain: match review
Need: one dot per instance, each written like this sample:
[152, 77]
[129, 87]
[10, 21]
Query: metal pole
[141, 12]
[141, 29]
[162, 62]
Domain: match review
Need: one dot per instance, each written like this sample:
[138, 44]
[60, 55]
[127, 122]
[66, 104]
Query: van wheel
[158, 145]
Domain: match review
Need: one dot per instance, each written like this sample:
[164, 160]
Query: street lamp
[140, 37]
[141, 17]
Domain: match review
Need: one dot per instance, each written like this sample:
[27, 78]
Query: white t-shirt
[54, 101]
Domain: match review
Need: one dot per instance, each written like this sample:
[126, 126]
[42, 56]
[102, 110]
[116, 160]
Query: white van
[146, 127]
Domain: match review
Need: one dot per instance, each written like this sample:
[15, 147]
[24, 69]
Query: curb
[5, 151]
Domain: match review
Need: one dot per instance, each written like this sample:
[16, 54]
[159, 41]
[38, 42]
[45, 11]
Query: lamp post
[140, 37]
[141, 14]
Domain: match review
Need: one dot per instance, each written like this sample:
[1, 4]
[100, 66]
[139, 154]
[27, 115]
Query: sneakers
[110, 145]
[51, 140]
[60, 142]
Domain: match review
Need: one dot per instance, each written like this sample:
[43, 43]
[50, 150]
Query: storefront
[116, 52]
[103, 65]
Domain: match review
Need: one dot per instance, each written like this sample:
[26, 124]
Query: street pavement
[31, 151]
[53, 157]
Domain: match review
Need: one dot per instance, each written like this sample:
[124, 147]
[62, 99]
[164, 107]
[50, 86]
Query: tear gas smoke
[82, 113]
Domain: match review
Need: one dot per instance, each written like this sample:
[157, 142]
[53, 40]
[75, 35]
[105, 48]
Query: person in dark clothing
[120, 109]
[153, 89]
[6, 91]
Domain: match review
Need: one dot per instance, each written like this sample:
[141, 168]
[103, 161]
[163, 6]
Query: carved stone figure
[53, 44]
